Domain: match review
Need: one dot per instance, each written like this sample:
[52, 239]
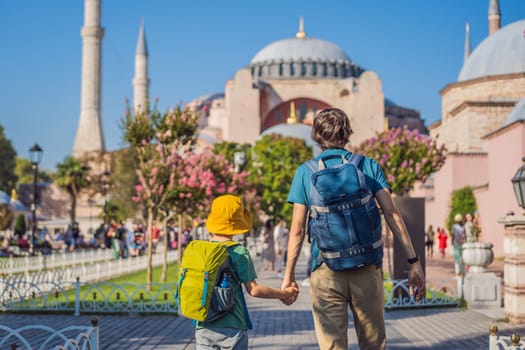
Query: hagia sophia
[287, 81]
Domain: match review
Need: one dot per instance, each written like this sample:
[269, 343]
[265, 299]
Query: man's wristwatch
[414, 260]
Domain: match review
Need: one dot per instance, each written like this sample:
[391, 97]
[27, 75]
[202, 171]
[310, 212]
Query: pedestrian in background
[458, 238]
[429, 241]
[280, 237]
[442, 238]
[268, 245]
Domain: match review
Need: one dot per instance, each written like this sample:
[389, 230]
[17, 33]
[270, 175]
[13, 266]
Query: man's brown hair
[331, 129]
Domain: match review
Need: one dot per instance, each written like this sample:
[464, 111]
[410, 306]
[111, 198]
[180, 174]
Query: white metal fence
[15, 265]
[97, 271]
[70, 338]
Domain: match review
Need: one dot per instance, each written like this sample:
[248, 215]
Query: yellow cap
[228, 216]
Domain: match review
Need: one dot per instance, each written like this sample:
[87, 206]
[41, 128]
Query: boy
[227, 218]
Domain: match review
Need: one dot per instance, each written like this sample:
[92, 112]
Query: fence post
[93, 339]
[515, 340]
[493, 329]
[77, 297]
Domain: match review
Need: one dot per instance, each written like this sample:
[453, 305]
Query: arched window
[278, 117]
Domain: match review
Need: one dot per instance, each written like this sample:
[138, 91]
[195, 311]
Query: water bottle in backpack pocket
[223, 295]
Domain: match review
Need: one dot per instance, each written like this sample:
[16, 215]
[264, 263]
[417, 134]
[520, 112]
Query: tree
[275, 158]
[156, 137]
[24, 171]
[20, 225]
[72, 176]
[124, 173]
[8, 176]
[462, 201]
[406, 156]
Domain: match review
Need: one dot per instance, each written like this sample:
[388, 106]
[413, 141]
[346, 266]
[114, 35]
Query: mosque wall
[242, 104]
[505, 150]
[459, 170]
[508, 88]
[473, 109]
[366, 108]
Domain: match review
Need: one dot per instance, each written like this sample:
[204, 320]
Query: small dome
[518, 113]
[501, 53]
[297, 130]
[300, 49]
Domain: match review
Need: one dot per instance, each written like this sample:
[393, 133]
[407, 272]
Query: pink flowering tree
[406, 156]
[157, 139]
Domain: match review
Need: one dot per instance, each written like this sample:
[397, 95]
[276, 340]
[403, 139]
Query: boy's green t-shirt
[242, 266]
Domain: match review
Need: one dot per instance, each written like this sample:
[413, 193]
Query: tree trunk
[72, 215]
[164, 274]
[179, 244]
[149, 239]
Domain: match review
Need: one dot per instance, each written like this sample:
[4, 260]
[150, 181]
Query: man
[361, 288]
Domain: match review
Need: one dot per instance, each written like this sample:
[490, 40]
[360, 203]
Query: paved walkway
[291, 327]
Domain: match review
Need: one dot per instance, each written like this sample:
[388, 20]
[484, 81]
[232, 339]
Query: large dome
[300, 49]
[302, 57]
[501, 53]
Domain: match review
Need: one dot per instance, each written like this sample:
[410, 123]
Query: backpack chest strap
[315, 209]
[353, 251]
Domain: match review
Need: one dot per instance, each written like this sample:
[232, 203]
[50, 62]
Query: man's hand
[287, 284]
[416, 281]
[292, 292]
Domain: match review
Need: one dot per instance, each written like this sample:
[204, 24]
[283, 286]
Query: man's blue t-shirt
[300, 188]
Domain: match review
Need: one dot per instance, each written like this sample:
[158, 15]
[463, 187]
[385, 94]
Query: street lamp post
[239, 158]
[35, 154]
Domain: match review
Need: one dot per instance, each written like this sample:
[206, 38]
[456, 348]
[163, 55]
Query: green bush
[461, 202]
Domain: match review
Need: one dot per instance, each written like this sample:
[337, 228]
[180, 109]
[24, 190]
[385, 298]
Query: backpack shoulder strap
[356, 159]
[312, 165]
[230, 243]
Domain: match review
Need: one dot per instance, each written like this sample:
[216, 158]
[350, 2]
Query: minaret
[89, 134]
[494, 16]
[467, 43]
[140, 80]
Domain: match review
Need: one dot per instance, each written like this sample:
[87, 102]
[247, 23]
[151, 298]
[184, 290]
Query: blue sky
[415, 46]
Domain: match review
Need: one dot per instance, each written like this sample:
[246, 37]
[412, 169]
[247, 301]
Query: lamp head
[35, 154]
[518, 182]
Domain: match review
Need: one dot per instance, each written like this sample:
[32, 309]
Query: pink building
[483, 127]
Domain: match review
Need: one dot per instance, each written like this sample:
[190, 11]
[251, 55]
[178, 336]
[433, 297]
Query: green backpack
[199, 293]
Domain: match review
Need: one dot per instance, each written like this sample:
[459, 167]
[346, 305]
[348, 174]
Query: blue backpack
[344, 220]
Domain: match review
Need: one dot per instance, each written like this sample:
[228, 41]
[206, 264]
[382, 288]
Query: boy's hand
[292, 293]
